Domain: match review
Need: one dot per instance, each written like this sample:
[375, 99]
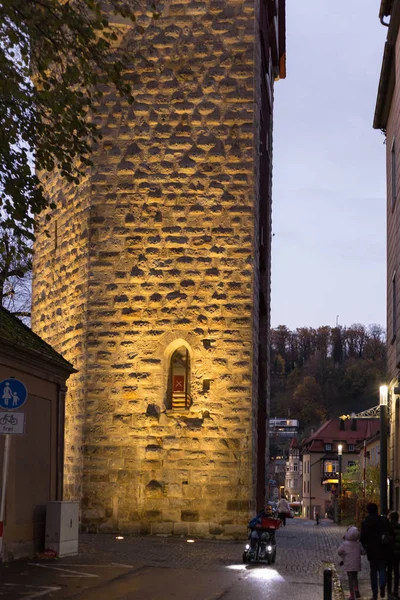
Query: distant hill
[317, 374]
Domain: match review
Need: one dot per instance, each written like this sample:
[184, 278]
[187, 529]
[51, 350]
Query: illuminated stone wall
[158, 248]
[59, 306]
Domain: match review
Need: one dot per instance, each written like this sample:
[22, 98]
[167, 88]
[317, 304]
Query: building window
[393, 171]
[179, 380]
[304, 487]
[331, 466]
[328, 446]
[295, 467]
[351, 447]
[351, 463]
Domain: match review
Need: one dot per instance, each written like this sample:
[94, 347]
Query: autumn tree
[55, 60]
[15, 274]
[308, 402]
[357, 492]
[345, 364]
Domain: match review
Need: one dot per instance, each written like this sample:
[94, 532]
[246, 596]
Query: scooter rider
[256, 529]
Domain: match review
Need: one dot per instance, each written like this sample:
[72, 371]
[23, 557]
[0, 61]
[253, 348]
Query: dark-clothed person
[372, 529]
[394, 559]
[256, 530]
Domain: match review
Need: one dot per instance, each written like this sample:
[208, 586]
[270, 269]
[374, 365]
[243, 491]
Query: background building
[281, 432]
[387, 119]
[294, 473]
[35, 465]
[283, 428]
[321, 460]
[155, 278]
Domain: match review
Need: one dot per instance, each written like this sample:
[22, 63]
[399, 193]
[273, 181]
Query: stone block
[180, 529]
[162, 528]
[189, 516]
[200, 530]
[133, 528]
[236, 531]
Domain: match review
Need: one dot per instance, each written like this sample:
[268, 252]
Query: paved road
[159, 568]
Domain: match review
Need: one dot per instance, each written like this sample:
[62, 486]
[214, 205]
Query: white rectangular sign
[12, 422]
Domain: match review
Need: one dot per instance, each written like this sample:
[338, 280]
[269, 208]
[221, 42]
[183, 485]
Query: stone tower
[155, 279]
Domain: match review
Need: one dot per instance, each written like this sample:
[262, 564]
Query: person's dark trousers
[282, 517]
[254, 537]
[393, 573]
[353, 582]
[377, 569]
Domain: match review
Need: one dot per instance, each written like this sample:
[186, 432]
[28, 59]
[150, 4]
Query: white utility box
[62, 527]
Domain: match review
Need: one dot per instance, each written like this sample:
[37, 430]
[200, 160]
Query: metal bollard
[327, 584]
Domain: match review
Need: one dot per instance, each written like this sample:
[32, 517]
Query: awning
[330, 481]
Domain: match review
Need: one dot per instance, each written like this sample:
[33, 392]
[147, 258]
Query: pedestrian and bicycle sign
[12, 422]
[13, 394]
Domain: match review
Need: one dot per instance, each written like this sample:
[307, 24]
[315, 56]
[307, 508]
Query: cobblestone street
[158, 567]
[302, 548]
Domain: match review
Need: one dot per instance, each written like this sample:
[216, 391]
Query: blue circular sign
[13, 394]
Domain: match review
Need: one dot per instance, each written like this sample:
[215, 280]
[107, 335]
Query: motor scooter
[264, 548]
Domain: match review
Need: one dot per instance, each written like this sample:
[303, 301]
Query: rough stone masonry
[154, 281]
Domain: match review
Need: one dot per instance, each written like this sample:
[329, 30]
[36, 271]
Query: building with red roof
[321, 459]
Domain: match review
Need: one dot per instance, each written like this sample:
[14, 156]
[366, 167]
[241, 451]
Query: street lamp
[383, 409]
[340, 452]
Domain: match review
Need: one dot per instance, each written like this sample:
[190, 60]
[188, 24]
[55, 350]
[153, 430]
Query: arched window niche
[178, 387]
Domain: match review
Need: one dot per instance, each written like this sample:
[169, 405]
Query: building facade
[283, 428]
[35, 452]
[294, 473]
[321, 460]
[387, 119]
[155, 279]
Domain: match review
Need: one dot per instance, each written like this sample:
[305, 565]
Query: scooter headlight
[269, 548]
[247, 547]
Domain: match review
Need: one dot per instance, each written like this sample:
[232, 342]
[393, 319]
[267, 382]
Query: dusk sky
[329, 211]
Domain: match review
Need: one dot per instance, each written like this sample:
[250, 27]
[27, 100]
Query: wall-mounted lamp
[340, 452]
[383, 395]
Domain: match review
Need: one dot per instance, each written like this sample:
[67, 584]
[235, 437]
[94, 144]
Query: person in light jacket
[350, 550]
[283, 510]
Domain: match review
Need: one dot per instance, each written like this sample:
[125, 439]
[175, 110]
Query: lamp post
[340, 452]
[383, 410]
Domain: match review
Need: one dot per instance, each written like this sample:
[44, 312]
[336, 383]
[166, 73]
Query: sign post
[13, 394]
[7, 443]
